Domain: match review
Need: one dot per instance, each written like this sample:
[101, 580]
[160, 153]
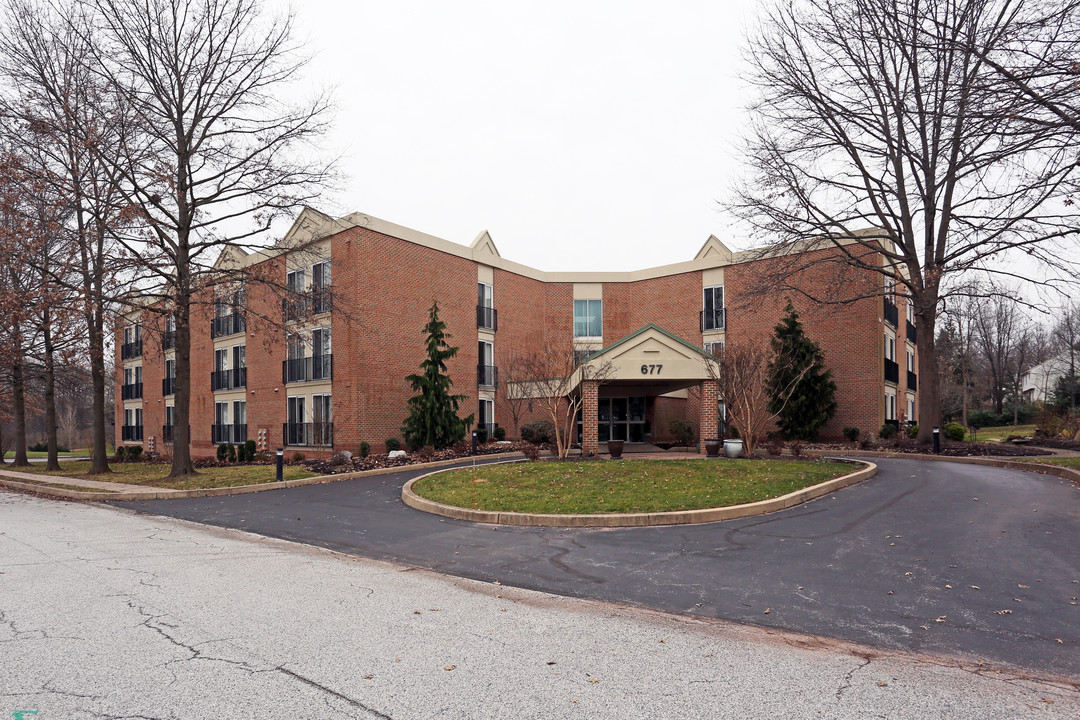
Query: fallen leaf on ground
[368, 677]
[767, 611]
[448, 667]
[975, 587]
[1003, 612]
[1023, 586]
[882, 683]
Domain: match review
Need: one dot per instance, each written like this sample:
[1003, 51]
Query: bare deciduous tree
[884, 114]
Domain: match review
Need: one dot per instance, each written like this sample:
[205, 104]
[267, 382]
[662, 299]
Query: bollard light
[937, 439]
[280, 465]
[473, 442]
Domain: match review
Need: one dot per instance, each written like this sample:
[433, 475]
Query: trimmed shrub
[298, 457]
[851, 433]
[481, 435]
[121, 453]
[222, 451]
[249, 450]
[682, 431]
[44, 447]
[531, 451]
[955, 431]
[887, 431]
[365, 449]
[538, 432]
[980, 419]
[500, 433]
[134, 452]
[913, 431]
[230, 452]
[392, 444]
[241, 453]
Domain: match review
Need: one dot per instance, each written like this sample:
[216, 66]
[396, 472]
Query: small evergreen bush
[538, 432]
[913, 431]
[222, 451]
[851, 433]
[392, 444]
[230, 452]
[298, 457]
[887, 431]
[682, 431]
[365, 449]
[121, 453]
[249, 450]
[955, 431]
[134, 452]
[500, 433]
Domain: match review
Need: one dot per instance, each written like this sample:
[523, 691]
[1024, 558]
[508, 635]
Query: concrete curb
[678, 517]
[164, 494]
[1035, 467]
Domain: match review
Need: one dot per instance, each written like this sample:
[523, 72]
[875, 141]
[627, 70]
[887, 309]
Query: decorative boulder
[397, 453]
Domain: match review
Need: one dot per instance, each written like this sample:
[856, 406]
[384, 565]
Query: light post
[280, 465]
[937, 439]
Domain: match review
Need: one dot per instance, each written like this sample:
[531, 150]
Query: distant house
[1039, 382]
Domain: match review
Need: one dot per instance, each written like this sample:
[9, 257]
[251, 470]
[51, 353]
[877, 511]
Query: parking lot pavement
[109, 614]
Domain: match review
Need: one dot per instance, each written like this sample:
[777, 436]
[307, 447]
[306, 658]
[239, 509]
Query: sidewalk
[90, 485]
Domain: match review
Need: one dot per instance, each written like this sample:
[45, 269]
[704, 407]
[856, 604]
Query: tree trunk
[930, 393]
[181, 464]
[18, 392]
[99, 462]
[53, 462]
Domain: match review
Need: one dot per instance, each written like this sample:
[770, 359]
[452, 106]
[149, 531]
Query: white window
[129, 415]
[296, 410]
[296, 281]
[890, 288]
[485, 371]
[910, 312]
[890, 347]
[588, 318]
[321, 409]
[239, 412]
[320, 342]
[715, 348]
[294, 346]
[221, 360]
[138, 374]
[484, 295]
[129, 377]
[712, 315]
[911, 360]
[221, 413]
[170, 415]
[890, 406]
[486, 418]
[320, 275]
[911, 408]
[170, 369]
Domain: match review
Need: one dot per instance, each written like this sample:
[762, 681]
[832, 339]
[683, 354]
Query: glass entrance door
[620, 418]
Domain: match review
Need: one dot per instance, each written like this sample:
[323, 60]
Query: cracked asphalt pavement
[965, 561]
[112, 614]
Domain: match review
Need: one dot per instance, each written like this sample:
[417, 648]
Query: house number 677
[651, 369]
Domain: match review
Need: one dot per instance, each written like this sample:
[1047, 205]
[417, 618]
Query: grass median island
[624, 486]
[1073, 463]
[153, 475]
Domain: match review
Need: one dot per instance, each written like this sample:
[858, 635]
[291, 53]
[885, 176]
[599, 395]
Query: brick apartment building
[315, 360]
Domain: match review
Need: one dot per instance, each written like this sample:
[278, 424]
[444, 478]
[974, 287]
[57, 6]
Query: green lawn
[1069, 462]
[35, 454]
[624, 486]
[154, 475]
[1003, 431]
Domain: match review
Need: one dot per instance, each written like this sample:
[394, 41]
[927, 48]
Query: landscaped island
[154, 474]
[626, 486]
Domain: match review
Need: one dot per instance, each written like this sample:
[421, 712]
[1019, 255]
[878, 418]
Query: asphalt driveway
[965, 560]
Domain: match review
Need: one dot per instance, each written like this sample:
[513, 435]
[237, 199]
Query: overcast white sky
[583, 136]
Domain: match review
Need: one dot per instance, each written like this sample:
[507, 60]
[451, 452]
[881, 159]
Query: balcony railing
[912, 334]
[132, 391]
[487, 376]
[309, 369]
[712, 320]
[228, 379]
[131, 433]
[131, 350]
[891, 314]
[228, 434]
[298, 306]
[227, 325]
[487, 318]
[892, 371]
[308, 434]
[912, 381]
[168, 340]
[166, 433]
[168, 386]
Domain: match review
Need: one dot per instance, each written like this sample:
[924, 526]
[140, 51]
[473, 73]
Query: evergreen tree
[433, 411]
[801, 389]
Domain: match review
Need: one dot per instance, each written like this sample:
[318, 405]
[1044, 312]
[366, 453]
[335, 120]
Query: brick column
[590, 418]
[709, 424]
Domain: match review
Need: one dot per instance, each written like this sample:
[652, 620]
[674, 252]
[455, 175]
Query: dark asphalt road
[931, 557]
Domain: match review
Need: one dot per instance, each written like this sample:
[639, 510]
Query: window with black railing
[317, 434]
[715, 319]
[912, 333]
[132, 391]
[168, 386]
[892, 371]
[892, 315]
[168, 340]
[487, 375]
[228, 379]
[228, 434]
[307, 369]
[131, 350]
[487, 318]
[225, 325]
[131, 433]
[912, 381]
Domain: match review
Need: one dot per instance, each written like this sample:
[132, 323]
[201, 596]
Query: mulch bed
[339, 464]
[951, 449]
[1057, 443]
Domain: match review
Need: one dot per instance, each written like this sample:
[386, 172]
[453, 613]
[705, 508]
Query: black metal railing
[131, 433]
[309, 369]
[912, 381]
[712, 320]
[892, 371]
[487, 318]
[301, 305]
[131, 350]
[227, 325]
[132, 391]
[912, 334]
[892, 316]
[487, 375]
[308, 434]
[228, 434]
[166, 433]
[228, 379]
[168, 340]
[168, 386]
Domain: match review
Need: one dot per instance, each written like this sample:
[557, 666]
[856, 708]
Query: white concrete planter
[733, 447]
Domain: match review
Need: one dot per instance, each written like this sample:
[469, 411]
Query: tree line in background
[137, 141]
